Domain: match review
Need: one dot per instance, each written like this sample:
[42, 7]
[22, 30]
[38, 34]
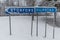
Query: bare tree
[30, 2]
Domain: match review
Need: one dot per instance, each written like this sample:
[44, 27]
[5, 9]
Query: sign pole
[10, 23]
[46, 25]
[54, 25]
[33, 17]
[32, 25]
[37, 26]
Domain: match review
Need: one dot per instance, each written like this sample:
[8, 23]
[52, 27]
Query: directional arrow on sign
[19, 10]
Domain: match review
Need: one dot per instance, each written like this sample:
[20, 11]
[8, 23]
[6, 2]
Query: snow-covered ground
[21, 29]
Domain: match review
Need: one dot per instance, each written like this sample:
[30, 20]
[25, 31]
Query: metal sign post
[46, 25]
[10, 23]
[37, 26]
[54, 20]
[32, 25]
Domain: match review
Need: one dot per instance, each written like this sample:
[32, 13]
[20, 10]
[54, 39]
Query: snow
[21, 29]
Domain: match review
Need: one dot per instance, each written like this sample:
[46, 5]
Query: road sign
[30, 9]
[37, 10]
[19, 10]
[45, 9]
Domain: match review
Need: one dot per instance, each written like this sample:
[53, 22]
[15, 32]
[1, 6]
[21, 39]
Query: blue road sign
[19, 10]
[45, 9]
[30, 10]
